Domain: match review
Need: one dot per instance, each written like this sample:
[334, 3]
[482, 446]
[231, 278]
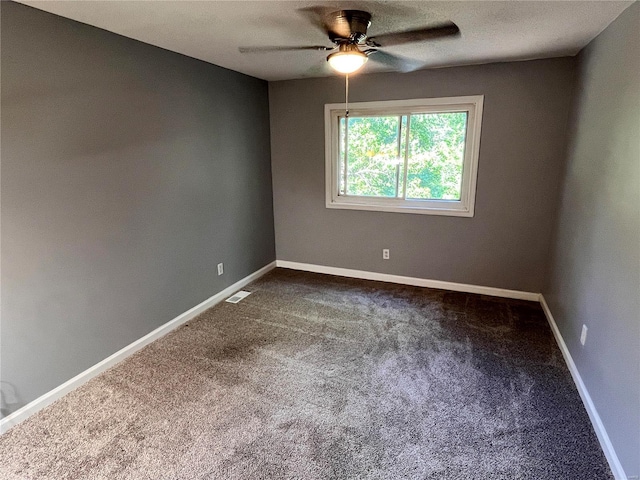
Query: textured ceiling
[213, 30]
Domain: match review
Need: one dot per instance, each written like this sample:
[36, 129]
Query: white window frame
[464, 207]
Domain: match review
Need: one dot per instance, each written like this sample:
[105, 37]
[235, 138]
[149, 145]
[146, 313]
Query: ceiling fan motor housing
[348, 25]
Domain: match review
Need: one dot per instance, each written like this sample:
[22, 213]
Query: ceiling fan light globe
[347, 62]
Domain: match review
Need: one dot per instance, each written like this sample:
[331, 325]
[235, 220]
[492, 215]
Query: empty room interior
[320, 240]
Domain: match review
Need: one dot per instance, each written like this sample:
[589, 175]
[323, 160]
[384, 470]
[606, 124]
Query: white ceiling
[213, 30]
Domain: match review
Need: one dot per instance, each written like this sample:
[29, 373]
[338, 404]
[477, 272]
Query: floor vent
[238, 296]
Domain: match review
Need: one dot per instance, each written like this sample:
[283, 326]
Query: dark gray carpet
[319, 377]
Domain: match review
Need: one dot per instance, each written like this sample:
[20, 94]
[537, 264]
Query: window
[410, 156]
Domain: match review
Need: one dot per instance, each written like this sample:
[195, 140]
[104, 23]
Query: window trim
[465, 207]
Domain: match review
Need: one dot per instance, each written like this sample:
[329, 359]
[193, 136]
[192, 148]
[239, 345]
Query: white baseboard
[596, 421]
[416, 282]
[60, 391]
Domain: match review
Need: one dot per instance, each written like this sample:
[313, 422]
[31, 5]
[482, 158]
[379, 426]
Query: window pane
[402, 154]
[341, 159]
[373, 166]
[436, 154]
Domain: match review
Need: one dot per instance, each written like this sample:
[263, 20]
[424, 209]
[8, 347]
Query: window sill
[452, 209]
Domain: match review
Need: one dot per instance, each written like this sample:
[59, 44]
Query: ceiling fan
[347, 30]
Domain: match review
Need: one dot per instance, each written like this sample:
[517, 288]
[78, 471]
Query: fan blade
[396, 63]
[419, 35]
[319, 48]
[317, 17]
[321, 69]
[339, 25]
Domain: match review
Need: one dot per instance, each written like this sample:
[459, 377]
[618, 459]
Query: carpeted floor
[320, 377]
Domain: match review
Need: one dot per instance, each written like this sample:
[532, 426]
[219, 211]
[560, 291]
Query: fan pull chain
[346, 96]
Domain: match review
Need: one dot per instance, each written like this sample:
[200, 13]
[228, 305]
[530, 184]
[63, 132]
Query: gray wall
[521, 156]
[594, 277]
[128, 173]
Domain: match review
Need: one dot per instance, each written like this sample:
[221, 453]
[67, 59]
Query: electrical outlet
[385, 254]
[583, 334]
[220, 269]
